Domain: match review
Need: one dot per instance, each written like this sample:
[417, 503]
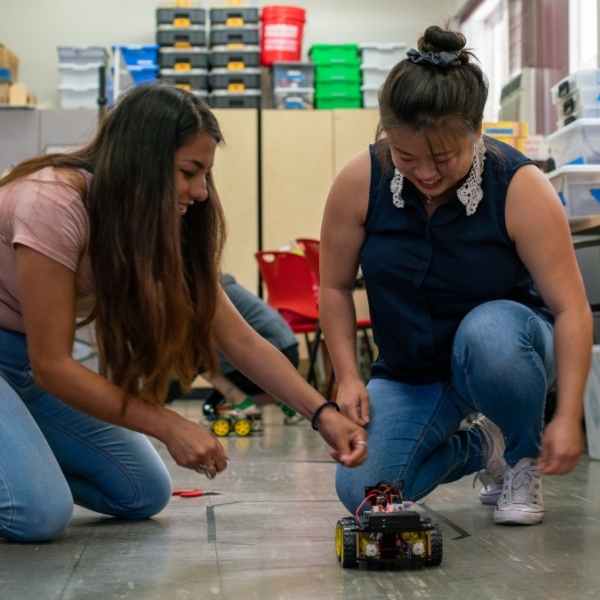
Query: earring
[396, 188]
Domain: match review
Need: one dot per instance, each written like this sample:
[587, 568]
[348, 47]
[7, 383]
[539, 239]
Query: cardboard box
[9, 60]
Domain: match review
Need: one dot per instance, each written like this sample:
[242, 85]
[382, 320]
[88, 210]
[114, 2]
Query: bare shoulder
[532, 204]
[350, 189]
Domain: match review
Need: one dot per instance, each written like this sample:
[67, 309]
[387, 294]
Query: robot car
[388, 534]
[222, 419]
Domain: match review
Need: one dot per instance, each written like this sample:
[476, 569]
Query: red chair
[294, 292]
[312, 251]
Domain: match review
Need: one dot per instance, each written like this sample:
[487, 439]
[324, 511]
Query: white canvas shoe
[492, 477]
[521, 501]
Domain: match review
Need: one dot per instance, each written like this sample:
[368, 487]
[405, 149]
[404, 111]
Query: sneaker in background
[521, 501]
[492, 477]
[291, 416]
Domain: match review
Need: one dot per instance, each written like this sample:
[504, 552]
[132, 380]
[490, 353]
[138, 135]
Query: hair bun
[437, 39]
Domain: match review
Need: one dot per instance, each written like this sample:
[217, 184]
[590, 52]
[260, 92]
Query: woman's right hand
[353, 400]
[194, 447]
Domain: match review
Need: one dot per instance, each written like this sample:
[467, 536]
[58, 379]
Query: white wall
[34, 28]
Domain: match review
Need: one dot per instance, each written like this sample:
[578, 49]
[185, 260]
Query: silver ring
[203, 469]
[362, 443]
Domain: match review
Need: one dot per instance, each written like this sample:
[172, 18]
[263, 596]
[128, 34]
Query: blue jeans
[502, 366]
[52, 456]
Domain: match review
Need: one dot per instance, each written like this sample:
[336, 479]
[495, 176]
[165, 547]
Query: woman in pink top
[125, 233]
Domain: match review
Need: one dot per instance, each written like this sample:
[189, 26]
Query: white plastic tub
[373, 75]
[576, 144]
[80, 75]
[578, 187]
[369, 96]
[570, 83]
[72, 96]
[592, 406]
[382, 55]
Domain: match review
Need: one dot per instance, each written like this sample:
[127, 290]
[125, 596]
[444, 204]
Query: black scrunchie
[436, 59]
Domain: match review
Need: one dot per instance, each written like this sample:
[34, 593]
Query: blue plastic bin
[143, 73]
[138, 55]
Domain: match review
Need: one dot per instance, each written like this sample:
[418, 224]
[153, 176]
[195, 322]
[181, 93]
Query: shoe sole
[518, 517]
[490, 499]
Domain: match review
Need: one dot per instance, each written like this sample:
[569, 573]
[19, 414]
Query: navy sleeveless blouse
[424, 275]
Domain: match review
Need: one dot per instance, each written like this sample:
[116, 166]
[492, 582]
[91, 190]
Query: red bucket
[281, 34]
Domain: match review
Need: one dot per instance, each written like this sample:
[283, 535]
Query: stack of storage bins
[575, 149]
[138, 62]
[293, 85]
[234, 77]
[182, 54]
[79, 68]
[337, 75]
[377, 60]
[577, 96]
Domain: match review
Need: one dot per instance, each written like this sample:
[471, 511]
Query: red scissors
[193, 493]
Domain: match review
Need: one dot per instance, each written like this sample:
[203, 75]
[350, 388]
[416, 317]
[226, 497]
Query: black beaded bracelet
[317, 412]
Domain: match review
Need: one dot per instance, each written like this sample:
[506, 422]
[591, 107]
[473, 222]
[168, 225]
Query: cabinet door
[236, 178]
[297, 172]
[353, 131]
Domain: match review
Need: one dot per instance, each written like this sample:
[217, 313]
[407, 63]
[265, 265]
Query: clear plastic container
[566, 86]
[294, 98]
[572, 103]
[293, 74]
[591, 111]
[592, 406]
[576, 144]
[578, 187]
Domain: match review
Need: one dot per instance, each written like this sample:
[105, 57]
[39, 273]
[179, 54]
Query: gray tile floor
[270, 536]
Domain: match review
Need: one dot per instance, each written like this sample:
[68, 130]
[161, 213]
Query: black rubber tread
[349, 560]
[437, 548]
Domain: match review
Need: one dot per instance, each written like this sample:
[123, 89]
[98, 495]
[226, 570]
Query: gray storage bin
[221, 35]
[225, 99]
[192, 79]
[178, 14]
[224, 57]
[233, 16]
[82, 54]
[234, 79]
[195, 57]
[168, 35]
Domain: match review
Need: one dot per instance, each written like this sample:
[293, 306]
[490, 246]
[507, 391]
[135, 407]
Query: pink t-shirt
[43, 212]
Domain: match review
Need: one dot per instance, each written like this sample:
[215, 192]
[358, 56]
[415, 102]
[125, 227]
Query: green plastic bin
[338, 72]
[333, 53]
[329, 101]
[338, 88]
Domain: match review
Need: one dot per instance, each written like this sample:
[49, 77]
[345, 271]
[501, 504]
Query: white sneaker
[492, 477]
[521, 501]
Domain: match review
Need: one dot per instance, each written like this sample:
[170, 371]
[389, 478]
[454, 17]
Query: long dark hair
[156, 272]
[428, 99]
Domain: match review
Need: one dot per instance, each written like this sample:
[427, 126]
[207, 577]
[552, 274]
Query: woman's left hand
[348, 440]
[562, 444]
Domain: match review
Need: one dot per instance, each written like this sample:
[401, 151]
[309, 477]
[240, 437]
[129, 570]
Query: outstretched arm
[342, 235]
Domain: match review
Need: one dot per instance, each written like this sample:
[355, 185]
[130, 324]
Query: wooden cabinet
[302, 151]
[236, 178]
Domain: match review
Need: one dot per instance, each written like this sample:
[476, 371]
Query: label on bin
[183, 66]
[236, 45]
[182, 23]
[236, 87]
[182, 45]
[234, 22]
[235, 65]
[184, 86]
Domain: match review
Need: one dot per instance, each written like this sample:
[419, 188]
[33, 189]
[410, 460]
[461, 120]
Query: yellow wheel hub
[339, 541]
[221, 427]
[243, 427]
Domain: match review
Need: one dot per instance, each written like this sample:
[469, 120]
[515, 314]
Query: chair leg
[330, 383]
[368, 344]
[311, 377]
